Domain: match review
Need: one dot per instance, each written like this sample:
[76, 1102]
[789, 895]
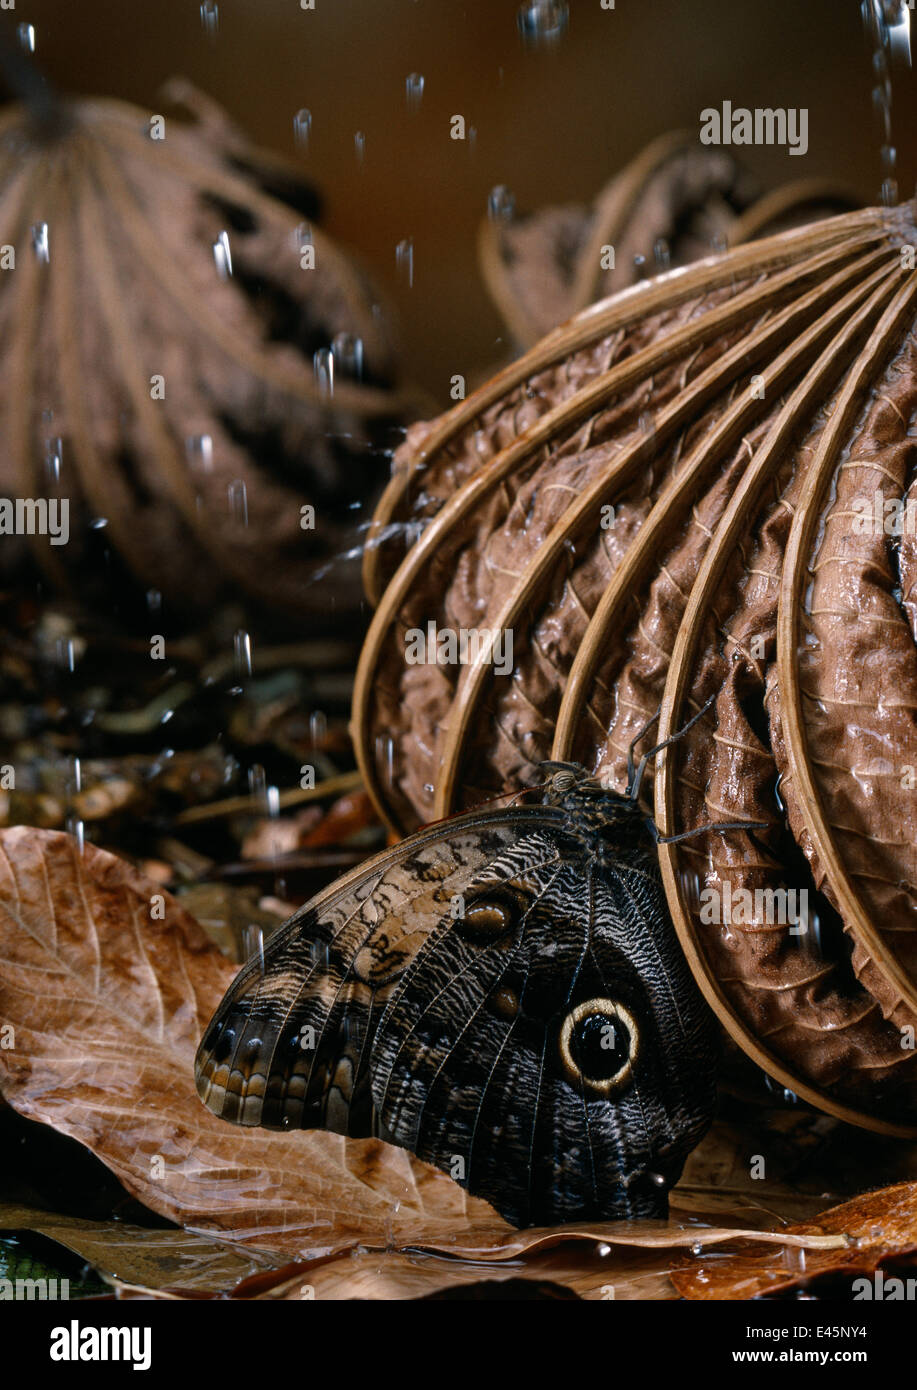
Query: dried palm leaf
[158, 339]
[658, 501]
[668, 206]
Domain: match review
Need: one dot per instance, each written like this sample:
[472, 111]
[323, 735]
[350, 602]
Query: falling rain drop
[76, 828]
[303, 235]
[413, 90]
[253, 943]
[66, 653]
[318, 728]
[887, 24]
[501, 205]
[238, 501]
[347, 354]
[154, 600]
[543, 23]
[323, 370]
[26, 35]
[257, 782]
[359, 146]
[404, 259]
[302, 127]
[242, 651]
[40, 243]
[222, 256]
[53, 452]
[210, 18]
[385, 757]
[199, 452]
[662, 254]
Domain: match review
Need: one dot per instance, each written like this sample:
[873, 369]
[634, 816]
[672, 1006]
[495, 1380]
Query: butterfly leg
[633, 790]
[719, 826]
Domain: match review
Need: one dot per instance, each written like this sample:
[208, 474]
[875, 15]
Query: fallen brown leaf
[107, 1008]
[107, 1005]
[135, 1255]
[875, 1227]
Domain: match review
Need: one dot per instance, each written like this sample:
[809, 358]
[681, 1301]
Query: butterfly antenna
[634, 790]
[630, 751]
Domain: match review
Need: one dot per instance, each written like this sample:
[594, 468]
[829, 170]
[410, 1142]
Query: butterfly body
[503, 994]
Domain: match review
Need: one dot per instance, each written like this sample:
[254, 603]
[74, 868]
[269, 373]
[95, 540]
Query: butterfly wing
[551, 1050]
[289, 1045]
[496, 995]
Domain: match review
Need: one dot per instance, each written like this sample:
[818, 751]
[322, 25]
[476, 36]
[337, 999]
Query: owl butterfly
[502, 994]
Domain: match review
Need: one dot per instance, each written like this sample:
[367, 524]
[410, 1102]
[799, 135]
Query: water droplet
[359, 146]
[318, 728]
[323, 370]
[604, 1250]
[662, 254]
[543, 22]
[53, 453]
[222, 256]
[199, 452]
[777, 797]
[66, 653]
[238, 501]
[404, 259]
[302, 127]
[413, 90]
[888, 193]
[26, 36]
[75, 827]
[242, 651]
[657, 1179]
[303, 235]
[501, 205]
[385, 757]
[40, 243]
[210, 18]
[347, 352]
[697, 1248]
[253, 943]
[98, 523]
[272, 802]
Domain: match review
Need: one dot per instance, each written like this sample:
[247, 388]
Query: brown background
[552, 125]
